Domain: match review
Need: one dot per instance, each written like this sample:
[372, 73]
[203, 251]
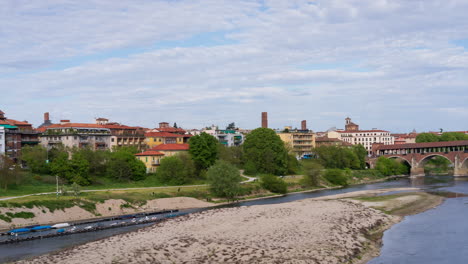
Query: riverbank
[49, 210]
[333, 229]
[112, 207]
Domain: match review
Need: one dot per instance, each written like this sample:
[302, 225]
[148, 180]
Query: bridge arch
[401, 159]
[425, 159]
[464, 163]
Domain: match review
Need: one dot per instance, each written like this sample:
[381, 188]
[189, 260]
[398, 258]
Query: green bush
[312, 172]
[336, 176]
[389, 167]
[273, 183]
[224, 179]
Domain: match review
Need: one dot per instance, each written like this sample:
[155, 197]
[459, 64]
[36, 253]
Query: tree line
[446, 136]
[84, 165]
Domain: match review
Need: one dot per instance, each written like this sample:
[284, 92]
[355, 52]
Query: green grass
[9, 216]
[32, 183]
[50, 202]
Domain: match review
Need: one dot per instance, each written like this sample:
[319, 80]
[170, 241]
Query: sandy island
[320, 230]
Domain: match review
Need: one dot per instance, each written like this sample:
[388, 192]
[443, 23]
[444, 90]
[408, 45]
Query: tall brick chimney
[303, 125]
[265, 119]
[46, 117]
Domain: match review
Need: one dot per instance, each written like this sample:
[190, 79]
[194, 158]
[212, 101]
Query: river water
[439, 235]
[441, 230]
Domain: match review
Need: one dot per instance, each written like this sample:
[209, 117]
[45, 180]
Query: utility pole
[56, 180]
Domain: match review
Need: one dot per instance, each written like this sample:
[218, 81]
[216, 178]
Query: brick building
[17, 134]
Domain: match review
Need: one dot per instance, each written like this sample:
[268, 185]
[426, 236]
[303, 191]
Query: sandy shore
[108, 208]
[306, 231]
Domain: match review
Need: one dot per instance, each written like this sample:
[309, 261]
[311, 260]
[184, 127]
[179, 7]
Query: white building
[2, 140]
[366, 138]
[226, 137]
[77, 135]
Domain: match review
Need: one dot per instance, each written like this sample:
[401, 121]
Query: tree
[231, 126]
[337, 157]
[178, 169]
[293, 164]
[312, 172]
[79, 170]
[203, 150]
[264, 152]
[36, 159]
[9, 172]
[175, 125]
[273, 183]
[224, 179]
[124, 166]
[97, 160]
[389, 167]
[427, 137]
[232, 154]
[361, 154]
[336, 176]
[453, 136]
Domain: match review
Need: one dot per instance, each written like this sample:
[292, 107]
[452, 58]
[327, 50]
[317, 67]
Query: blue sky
[397, 65]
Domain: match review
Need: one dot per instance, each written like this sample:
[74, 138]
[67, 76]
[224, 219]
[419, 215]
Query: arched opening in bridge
[405, 163]
[436, 165]
[465, 164]
[368, 165]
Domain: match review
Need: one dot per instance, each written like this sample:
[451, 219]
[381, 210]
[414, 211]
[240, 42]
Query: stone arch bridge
[417, 154]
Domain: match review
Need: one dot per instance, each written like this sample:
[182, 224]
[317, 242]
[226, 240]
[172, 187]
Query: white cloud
[382, 61]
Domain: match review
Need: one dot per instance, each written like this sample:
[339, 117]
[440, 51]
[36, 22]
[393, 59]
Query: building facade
[153, 139]
[17, 134]
[2, 140]
[152, 157]
[227, 137]
[76, 135]
[366, 138]
[301, 142]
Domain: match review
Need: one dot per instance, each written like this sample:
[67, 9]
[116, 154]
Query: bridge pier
[458, 172]
[416, 172]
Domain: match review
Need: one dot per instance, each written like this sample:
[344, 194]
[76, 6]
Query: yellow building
[153, 139]
[152, 157]
[300, 143]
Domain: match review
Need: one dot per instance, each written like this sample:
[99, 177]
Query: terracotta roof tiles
[163, 147]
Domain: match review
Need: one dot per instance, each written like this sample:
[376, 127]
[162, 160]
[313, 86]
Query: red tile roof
[165, 134]
[114, 126]
[163, 147]
[170, 129]
[13, 122]
[150, 153]
[424, 145]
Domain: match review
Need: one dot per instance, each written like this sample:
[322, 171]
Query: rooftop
[171, 147]
[150, 153]
[165, 134]
[424, 145]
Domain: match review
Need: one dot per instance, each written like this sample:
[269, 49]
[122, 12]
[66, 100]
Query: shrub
[224, 179]
[312, 172]
[273, 183]
[336, 176]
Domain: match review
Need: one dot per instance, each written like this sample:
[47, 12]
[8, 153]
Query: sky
[397, 65]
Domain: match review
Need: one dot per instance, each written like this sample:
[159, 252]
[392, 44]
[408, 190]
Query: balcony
[155, 162]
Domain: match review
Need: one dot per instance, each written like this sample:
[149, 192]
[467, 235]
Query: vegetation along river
[442, 229]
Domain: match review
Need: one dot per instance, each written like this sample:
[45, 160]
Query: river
[442, 226]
